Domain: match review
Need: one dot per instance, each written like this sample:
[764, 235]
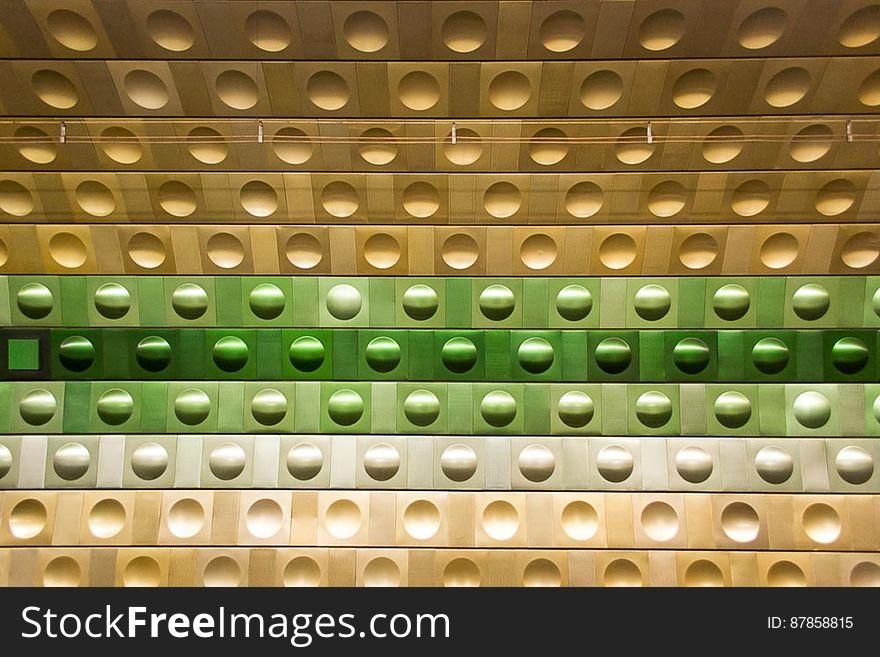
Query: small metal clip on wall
[260, 132]
[650, 133]
[849, 134]
[454, 134]
[63, 133]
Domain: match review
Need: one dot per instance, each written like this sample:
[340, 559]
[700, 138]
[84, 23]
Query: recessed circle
[779, 250]
[112, 300]
[421, 520]
[266, 301]
[258, 199]
[653, 409]
[615, 463]
[732, 409]
[265, 518]
[459, 355]
[421, 408]
[382, 354]
[562, 31]
[302, 571]
[381, 572]
[460, 251]
[339, 199]
[186, 517]
[149, 461]
[622, 573]
[35, 300]
[269, 407]
[849, 355]
[344, 301]
[694, 88]
[498, 408]
[618, 251]
[667, 199]
[762, 28]
[153, 353]
[497, 302]
[810, 302]
[365, 31]
[418, 91]
[377, 146]
[770, 355]
[548, 146]
[509, 91]
[502, 200]
[584, 199]
[345, 407]
[304, 461]
[575, 409]
[343, 518]
[420, 302]
[225, 250]
[71, 461]
[500, 520]
[15, 199]
[579, 520]
[72, 30]
[35, 145]
[860, 250]
[691, 355]
[107, 518]
[854, 465]
[177, 198]
[303, 250]
[463, 31]
[222, 571]
[740, 522]
[661, 30]
[95, 198]
[37, 407]
[703, 572]
[189, 301]
[821, 523]
[538, 251]
[601, 90]
[6, 461]
[812, 409]
[230, 353]
[536, 463]
[861, 28]
[121, 145]
[461, 572]
[659, 521]
[328, 91]
[632, 146]
[467, 149]
[574, 302]
[865, 573]
[170, 30]
[207, 145]
[146, 250]
[192, 406]
[458, 462]
[62, 572]
[236, 90]
[723, 144]
[535, 355]
[835, 197]
[750, 198]
[292, 145]
[787, 87]
[613, 355]
[774, 464]
[811, 143]
[382, 251]
[28, 518]
[698, 251]
[142, 571]
[694, 464]
[115, 406]
[421, 200]
[267, 31]
[541, 573]
[731, 302]
[145, 89]
[652, 302]
[54, 89]
[786, 573]
[306, 353]
[381, 461]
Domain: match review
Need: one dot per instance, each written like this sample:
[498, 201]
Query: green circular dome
[812, 409]
[691, 355]
[420, 302]
[652, 302]
[875, 302]
[654, 409]
[731, 302]
[344, 301]
[153, 353]
[810, 301]
[76, 353]
[613, 355]
[382, 354]
[574, 302]
[230, 353]
[732, 409]
[115, 406]
[189, 301]
[421, 407]
[535, 355]
[849, 355]
[266, 301]
[306, 353]
[459, 355]
[498, 408]
[37, 407]
[112, 300]
[345, 407]
[497, 302]
[192, 406]
[35, 300]
[269, 406]
[770, 355]
[575, 409]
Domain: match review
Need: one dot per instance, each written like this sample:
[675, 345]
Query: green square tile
[576, 410]
[770, 356]
[536, 309]
[574, 355]
[112, 301]
[458, 302]
[420, 353]
[420, 302]
[115, 407]
[5, 310]
[691, 355]
[381, 301]
[812, 301]
[270, 355]
[230, 354]
[267, 300]
[228, 293]
[422, 408]
[344, 301]
[573, 302]
[496, 302]
[536, 355]
[692, 302]
[305, 301]
[850, 309]
[618, 353]
[382, 355]
[191, 407]
[75, 301]
[459, 355]
[812, 410]
[653, 410]
[308, 409]
[307, 354]
[190, 301]
[23, 354]
[345, 408]
[733, 410]
[731, 302]
[652, 302]
[151, 289]
[37, 407]
[230, 407]
[269, 406]
[498, 408]
[35, 301]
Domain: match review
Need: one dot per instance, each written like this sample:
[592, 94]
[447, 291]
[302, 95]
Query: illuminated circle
[774, 465]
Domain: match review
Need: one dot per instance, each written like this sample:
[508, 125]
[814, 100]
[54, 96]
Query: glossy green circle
[153, 353]
[810, 301]
[770, 355]
[812, 409]
[421, 407]
[192, 406]
[535, 355]
[189, 301]
[691, 355]
[652, 302]
[731, 302]
[382, 354]
[344, 301]
[498, 408]
[574, 302]
[849, 355]
[613, 355]
[420, 302]
[115, 406]
[654, 409]
[306, 353]
[269, 407]
[37, 407]
[575, 409]
[76, 353]
[497, 302]
[112, 300]
[458, 355]
[35, 300]
[266, 301]
[875, 302]
[732, 409]
[345, 407]
[230, 353]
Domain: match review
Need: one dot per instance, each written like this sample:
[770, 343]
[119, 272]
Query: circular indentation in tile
[382, 354]
[575, 409]
[810, 301]
[653, 409]
[236, 90]
[770, 355]
[71, 461]
[762, 28]
[421, 200]
[821, 523]
[562, 31]
[774, 464]
[54, 89]
[849, 355]
[463, 31]
[303, 250]
[36, 145]
[365, 31]
[461, 572]
[266, 301]
[189, 301]
[861, 28]
[5, 461]
[750, 198]
[292, 145]
[622, 573]
[302, 571]
[535, 355]
[343, 518]
[458, 462]
[345, 407]
[328, 90]
[186, 517]
[812, 409]
[615, 463]
[618, 251]
[584, 199]
[149, 461]
[541, 573]
[381, 461]
[694, 88]
[785, 573]
[691, 355]
[382, 251]
[227, 461]
[381, 572]
[601, 90]
[145, 89]
[659, 521]
[460, 251]
[732, 409]
[222, 571]
[811, 143]
[467, 149]
[192, 406]
[865, 573]
[112, 300]
[509, 91]
[62, 572]
[613, 355]
[632, 146]
[459, 355]
[698, 251]
[652, 302]
[142, 571]
[502, 199]
[536, 463]
[377, 146]
[703, 572]
[258, 198]
[264, 518]
[339, 199]
[740, 522]
[875, 302]
[269, 407]
[854, 465]
[37, 407]
[15, 199]
[661, 30]
[498, 408]
[344, 301]
[4, 253]
[177, 198]
[230, 353]
[580, 522]
[694, 464]
[667, 199]
[500, 520]
[421, 408]
[731, 302]
[548, 146]
[115, 406]
[306, 353]
[779, 250]
[722, 144]
[95, 198]
[267, 31]
[835, 197]
[170, 30]
[538, 251]
[421, 520]
[72, 30]
[107, 518]
[418, 90]
[574, 302]
[121, 145]
[225, 250]
[207, 145]
[28, 518]
[860, 250]
[420, 302]
[304, 461]
[76, 353]
[787, 87]
[497, 302]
